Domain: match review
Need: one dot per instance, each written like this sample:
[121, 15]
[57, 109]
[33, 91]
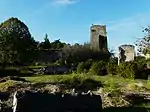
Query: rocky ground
[120, 98]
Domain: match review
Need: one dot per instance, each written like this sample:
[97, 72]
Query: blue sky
[70, 20]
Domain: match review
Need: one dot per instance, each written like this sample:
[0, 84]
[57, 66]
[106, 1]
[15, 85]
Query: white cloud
[56, 5]
[130, 24]
[126, 30]
[65, 2]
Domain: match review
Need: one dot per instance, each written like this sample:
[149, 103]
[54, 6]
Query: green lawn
[58, 78]
[108, 82]
[111, 84]
[5, 85]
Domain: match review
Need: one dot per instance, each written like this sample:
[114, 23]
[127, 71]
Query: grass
[35, 67]
[59, 78]
[111, 84]
[5, 85]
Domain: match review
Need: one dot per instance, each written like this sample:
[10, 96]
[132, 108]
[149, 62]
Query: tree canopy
[16, 43]
[143, 44]
[18, 46]
[46, 43]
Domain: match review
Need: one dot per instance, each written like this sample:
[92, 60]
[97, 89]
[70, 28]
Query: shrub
[142, 69]
[83, 67]
[88, 64]
[73, 81]
[142, 74]
[80, 67]
[127, 69]
[139, 58]
[81, 82]
[90, 84]
[135, 69]
[141, 63]
[98, 68]
[148, 63]
[61, 61]
[112, 67]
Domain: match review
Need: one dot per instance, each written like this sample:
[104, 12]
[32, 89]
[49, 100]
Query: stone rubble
[107, 99]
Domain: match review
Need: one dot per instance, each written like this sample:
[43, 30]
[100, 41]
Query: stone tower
[126, 53]
[98, 38]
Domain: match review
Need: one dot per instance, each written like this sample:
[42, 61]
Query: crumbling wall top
[98, 26]
[126, 46]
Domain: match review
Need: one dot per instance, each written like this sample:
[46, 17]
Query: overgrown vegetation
[18, 48]
[21, 55]
[109, 83]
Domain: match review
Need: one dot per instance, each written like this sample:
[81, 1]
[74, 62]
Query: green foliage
[88, 64]
[135, 69]
[16, 43]
[112, 67]
[5, 85]
[57, 44]
[81, 53]
[148, 63]
[61, 61]
[77, 81]
[46, 44]
[142, 68]
[143, 44]
[98, 68]
[128, 69]
[81, 67]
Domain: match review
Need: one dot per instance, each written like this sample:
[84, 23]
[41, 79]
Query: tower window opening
[93, 30]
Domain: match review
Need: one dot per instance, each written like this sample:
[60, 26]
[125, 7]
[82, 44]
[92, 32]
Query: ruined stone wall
[126, 53]
[49, 56]
[44, 102]
[98, 37]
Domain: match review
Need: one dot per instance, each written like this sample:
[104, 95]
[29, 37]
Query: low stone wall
[44, 102]
[57, 69]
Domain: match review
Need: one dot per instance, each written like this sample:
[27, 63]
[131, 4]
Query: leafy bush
[61, 61]
[112, 67]
[80, 53]
[80, 67]
[81, 82]
[127, 69]
[148, 63]
[143, 72]
[88, 64]
[84, 67]
[135, 69]
[98, 68]
[141, 62]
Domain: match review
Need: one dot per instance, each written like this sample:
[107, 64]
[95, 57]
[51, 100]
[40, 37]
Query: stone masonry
[126, 53]
[98, 37]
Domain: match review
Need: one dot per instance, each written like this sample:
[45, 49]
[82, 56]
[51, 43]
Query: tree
[143, 44]
[98, 68]
[46, 44]
[16, 43]
[57, 44]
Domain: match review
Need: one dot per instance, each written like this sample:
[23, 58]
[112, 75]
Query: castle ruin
[126, 53]
[98, 38]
